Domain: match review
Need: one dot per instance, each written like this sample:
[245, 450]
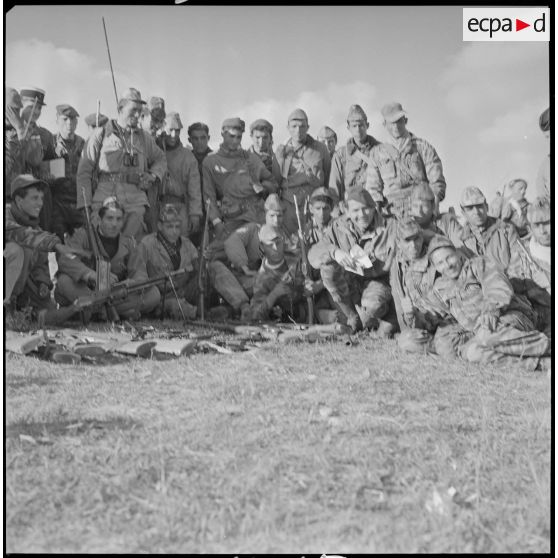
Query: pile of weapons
[71, 346]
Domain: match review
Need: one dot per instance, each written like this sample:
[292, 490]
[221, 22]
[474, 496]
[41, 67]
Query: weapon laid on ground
[120, 291]
[305, 265]
[202, 264]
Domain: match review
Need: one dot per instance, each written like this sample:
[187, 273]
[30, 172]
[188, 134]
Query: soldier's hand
[195, 221]
[220, 231]
[113, 278]
[91, 279]
[247, 271]
[343, 258]
[64, 250]
[312, 287]
[44, 291]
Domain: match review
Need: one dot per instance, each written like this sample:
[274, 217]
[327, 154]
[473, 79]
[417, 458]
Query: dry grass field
[310, 448]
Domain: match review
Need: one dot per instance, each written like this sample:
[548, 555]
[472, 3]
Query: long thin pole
[110, 61]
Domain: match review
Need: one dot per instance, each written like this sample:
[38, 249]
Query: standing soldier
[349, 164]
[493, 325]
[238, 180]
[395, 168]
[181, 184]
[94, 121]
[543, 176]
[67, 145]
[126, 162]
[303, 164]
[261, 133]
[328, 137]
[354, 258]
[483, 235]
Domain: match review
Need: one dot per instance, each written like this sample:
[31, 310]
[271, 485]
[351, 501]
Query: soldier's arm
[136, 267]
[337, 176]
[323, 252]
[156, 160]
[236, 245]
[434, 170]
[496, 287]
[265, 178]
[87, 165]
[29, 237]
[76, 267]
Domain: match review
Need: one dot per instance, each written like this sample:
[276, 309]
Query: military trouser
[235, 287]
[265, 288]
[144, 301]
[65, 218]
[18, 285]
[413, 340]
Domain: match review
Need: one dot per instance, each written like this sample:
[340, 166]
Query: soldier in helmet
[493, 325]
[350, 161]
[396, 167]
[126, 161]
[328, 137]
[153, 115]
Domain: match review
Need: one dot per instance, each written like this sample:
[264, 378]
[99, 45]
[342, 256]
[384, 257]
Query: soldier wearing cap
[181, 184]
[238, 180]
[261, 133]
[27, 280]
[511, 206]
[395, 168]
[531, 271]
[303, 164]
[77, 276]
[422, 208]
[412, 278]
[328, 137]
[483, 235]
[94, 121]
[126, 161]
[68, 146]
[354, 258]
[14, 135]
[168, 250]
[349, 164]
[153, 115]
[492, 324]
[542, 186]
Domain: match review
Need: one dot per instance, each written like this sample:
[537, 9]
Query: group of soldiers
[308, 231]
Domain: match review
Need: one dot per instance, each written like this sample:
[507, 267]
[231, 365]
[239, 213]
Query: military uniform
[511, 211]
[14, 129]
[482, 287]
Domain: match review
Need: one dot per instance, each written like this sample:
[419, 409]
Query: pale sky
[478, 104]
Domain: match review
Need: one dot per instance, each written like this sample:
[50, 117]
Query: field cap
[91, 119]
[439, 241]
[326, 132]
[234, 122]
[392, 112]
[261, 123]
[112, 203]
[269, 234]
[32, 93]
[157, 107]
[173, 121]
[362, 196]
[273, 203]
[66, 110]
[169, 213]
[544, 120]
[323, 192]
[12, 98]
[132, 94]
[408, 228]
[356, 114]
[472, 196]
[539, 210]
[25, 180]
[298, 114]
[422, 191]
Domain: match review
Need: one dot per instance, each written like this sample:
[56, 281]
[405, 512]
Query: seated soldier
[322, 202]
[483, 235]
[77, 277]
[354, 258]
[530, 273]
[423, 209]
[27, 275]
[493, 325]
[168, 250]
[412, 278]
[511, 206]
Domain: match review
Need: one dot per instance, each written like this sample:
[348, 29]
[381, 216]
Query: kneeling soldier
[77, 277]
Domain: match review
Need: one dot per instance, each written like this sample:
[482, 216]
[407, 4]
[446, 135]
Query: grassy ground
[314, 448]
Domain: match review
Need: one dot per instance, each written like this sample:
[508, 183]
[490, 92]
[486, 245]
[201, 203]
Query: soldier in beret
[94, 121]
[127, 162]
[396, 167]
[67, 145]
[492, 324]
[77, 276]
[354, 258]
[238, 180]
[349, 164]
[543, 177]
[303, 164]
[261, 133]
[328, 137]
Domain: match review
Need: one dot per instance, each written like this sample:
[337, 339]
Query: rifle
[305, 265]
[110, 61]
[202, 261]
[120, 291]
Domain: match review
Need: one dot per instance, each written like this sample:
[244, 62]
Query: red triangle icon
[519, 25]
